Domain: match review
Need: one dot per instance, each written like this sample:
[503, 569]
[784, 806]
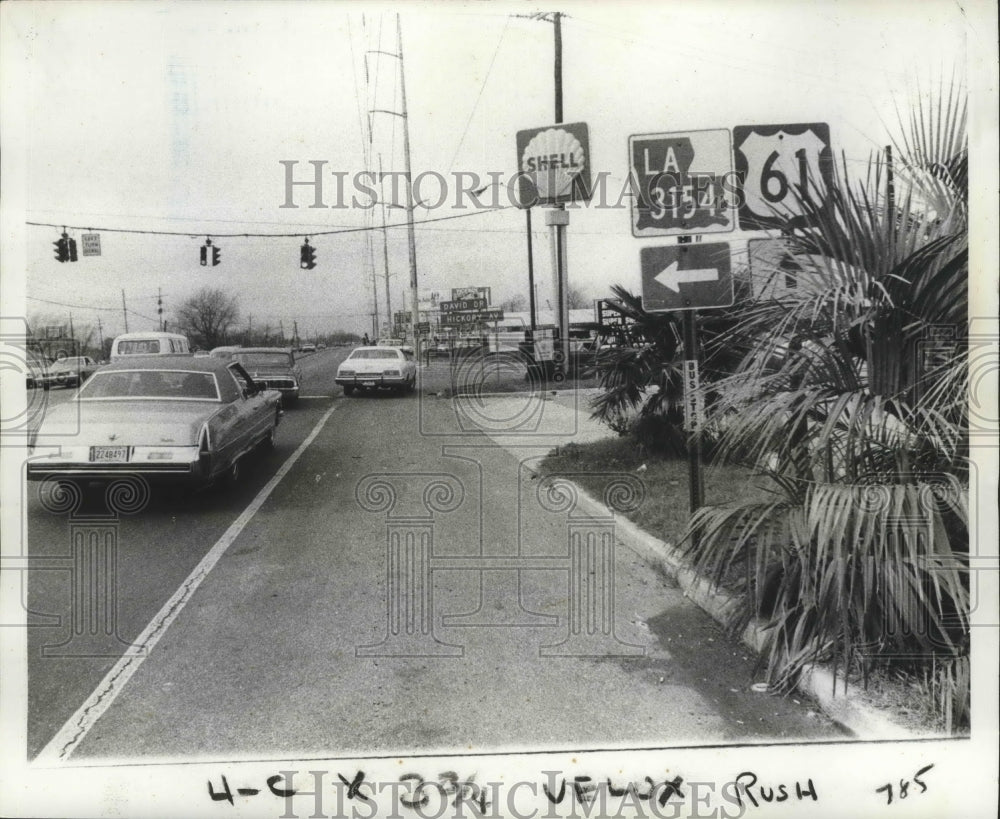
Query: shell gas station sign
[553, 164]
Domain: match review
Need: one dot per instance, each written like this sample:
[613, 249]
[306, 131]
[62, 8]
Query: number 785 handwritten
[904, 785]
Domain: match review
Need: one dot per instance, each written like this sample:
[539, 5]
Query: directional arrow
[672, 276]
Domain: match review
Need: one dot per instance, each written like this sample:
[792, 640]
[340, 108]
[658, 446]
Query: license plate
[368, 382]
[109, 453]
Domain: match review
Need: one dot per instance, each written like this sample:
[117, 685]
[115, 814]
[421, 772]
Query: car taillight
[391, 372]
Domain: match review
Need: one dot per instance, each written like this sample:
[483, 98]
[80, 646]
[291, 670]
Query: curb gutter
[840, 700]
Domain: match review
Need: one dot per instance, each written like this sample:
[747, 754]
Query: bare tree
[517, 303]
[207, 316]
[577, 299]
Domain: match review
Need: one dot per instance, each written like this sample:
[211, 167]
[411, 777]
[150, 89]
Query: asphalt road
[406, 586]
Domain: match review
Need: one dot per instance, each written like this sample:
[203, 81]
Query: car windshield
[250, 360]
[390, 354]
[167, 385]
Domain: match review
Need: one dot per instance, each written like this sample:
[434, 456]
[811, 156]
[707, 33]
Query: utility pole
[385, 247]
[281, 329]
[124, 310]
[371, 261]
[414, 297]
[558, 218]
[531, 274]
[295, 333]
[72, 335]
[159, 307]
[100, 336]
[250, 330]
[412, 245]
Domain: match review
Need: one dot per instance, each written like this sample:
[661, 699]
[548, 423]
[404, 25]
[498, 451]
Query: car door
[253, 416]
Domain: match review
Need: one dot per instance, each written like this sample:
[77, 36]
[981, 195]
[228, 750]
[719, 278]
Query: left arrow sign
[672, 276]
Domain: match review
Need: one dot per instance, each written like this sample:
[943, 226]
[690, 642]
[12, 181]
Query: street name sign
[686, 277]
[457, 305]
[777, 167]
[466, 319]
[553, 164]
[682, 183]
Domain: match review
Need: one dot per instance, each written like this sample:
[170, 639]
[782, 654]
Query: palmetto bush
[642, 382]
[850, 396]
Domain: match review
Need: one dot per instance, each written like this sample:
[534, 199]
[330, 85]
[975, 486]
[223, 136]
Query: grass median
[664, 510]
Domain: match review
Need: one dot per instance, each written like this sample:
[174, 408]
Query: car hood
[128, 423]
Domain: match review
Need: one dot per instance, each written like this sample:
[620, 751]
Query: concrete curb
[841, 701]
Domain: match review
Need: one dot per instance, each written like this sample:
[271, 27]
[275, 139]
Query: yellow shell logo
[553, 158]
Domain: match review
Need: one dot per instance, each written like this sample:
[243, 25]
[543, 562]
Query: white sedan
[372, 368]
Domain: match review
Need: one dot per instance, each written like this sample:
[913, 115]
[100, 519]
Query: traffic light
[65, 249]
[216, 253]
[308, 256]
[62, 249]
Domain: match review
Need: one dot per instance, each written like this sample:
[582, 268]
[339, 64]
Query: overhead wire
[479, 96]
[248, 235]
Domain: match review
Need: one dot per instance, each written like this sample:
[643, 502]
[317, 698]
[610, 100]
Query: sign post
[554, 168]
[688, 277]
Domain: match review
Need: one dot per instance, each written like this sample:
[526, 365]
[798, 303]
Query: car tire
[348, 389]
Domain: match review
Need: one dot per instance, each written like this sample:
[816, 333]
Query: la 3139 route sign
[686, 277]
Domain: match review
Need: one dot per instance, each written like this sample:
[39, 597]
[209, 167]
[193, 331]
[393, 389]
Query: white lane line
[308, 397]
[62, 745]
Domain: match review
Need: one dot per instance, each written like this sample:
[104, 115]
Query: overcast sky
[177, 116]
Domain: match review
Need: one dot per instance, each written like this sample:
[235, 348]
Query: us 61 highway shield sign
[781, 168]
[686, 277]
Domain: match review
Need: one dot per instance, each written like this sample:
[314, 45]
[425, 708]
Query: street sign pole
[695, 480]
[558, 220]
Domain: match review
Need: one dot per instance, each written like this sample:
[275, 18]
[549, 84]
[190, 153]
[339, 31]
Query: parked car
[35, 366]
[68, 372]
[151, 342]
[180, 417]
[273, 368]
[371, 368]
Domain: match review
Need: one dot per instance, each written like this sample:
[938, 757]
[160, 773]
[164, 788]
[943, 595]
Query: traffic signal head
[308, 261]
[62, 249]
[204, 255]
[72, 249]
[216, 255]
